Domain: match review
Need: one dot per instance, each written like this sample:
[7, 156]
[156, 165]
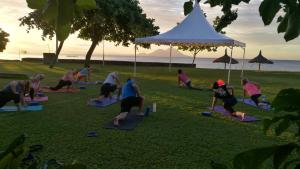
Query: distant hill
[164, 53]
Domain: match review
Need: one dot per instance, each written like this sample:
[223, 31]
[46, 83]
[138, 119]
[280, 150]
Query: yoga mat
[252, 103]
[63, 90]
[129, 123]
[88, 83]
[222, 111]
[14, 108]
[105, 102]
[36, 99]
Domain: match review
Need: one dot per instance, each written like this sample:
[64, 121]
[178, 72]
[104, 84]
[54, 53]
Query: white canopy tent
[194, 30]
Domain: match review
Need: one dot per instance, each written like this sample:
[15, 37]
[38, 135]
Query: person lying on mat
[14, 91]
[252, 89]
[221, 91]
[110, 85]
[66, 80]
[84, 74]
[131, 97]
[184, 80]
[35, 84]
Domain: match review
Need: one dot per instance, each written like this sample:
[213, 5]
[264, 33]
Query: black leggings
[229, 103]
[255, 98]
[7, 97]
[61, 84]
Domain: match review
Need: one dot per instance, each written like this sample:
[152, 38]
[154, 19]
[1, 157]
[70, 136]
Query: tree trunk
[90, 52]
[194, 56]
[61, 44]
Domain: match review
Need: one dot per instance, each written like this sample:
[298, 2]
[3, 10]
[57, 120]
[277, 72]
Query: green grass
[176, 136]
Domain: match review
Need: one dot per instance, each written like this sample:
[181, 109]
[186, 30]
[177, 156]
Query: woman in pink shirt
[252, 89]
[66, 80]
[184, 79]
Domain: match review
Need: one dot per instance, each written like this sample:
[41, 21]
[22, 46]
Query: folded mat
[131, 121]
[222, 111]
[250, 102]
[36, 99]
[27, 108]
[104, 102]
[88, 83]
[63, 90]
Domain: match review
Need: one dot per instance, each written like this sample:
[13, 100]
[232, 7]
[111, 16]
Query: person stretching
[184, 80]
[252, 89]
[66, 80]
[131, 97]
[220, 91]
[14, 91]
[84, 74]
[110, 85]
[35, 84]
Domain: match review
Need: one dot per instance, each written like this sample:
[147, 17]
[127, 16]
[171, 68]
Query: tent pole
[170, 59]
[259, 67]
[103, 53]
[134, 73]
[243, 65]
[229, 71]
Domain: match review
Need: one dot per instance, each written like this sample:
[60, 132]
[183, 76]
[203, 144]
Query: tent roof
[260, 59]
[194, 30]
[225, 59]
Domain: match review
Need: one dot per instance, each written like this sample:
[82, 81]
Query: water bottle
[263, 98]
[147, 111]
[154, 107]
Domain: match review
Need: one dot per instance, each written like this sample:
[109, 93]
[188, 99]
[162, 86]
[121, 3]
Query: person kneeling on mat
[14, 91]
[110, 85]
[131, 97]
[252, 89]
[220, 91]
[35, 85]
[84, 74]
[66, 80]
[184, 80]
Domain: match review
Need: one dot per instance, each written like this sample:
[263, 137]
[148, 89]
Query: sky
[247, 28]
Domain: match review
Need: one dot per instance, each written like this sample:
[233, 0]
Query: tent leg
[103, 53]
[243, 65]
[170, 59]
[259, 66]
[229, 71]
[134, 73]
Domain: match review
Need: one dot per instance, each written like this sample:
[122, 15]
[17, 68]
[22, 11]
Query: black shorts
[130, 102]
[107, 88]
[6, 97]
[255, 98]
[189, 84]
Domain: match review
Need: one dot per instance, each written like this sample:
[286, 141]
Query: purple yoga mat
[222, 111]
[105, 102]
[251, 103]
[36, 99]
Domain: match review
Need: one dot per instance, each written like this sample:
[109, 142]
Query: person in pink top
[252, 89]
[184, 80]
[66, 80]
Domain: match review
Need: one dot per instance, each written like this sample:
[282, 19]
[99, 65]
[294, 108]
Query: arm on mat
[214, 101]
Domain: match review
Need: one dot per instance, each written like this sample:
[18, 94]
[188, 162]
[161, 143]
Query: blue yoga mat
[88, 83]
[14, 108]
[222, 111]
[252, 103]
[105, 102]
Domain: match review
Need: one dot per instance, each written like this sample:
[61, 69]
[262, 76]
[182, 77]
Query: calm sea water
[279, 65]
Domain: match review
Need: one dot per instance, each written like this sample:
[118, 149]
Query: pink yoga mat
[63, 90]
[36, 99]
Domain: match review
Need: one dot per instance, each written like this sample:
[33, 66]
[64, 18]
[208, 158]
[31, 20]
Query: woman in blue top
[131, 97]
[84, 74]
[14, 91]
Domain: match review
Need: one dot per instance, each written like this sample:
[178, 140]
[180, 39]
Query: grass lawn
[176, 136]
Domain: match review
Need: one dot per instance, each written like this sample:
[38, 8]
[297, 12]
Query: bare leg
[121, 116]
[141, 107]
[239, 114]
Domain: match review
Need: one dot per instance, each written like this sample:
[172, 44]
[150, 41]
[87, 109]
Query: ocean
[279, 65]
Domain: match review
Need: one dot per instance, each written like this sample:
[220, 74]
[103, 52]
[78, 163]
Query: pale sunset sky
[247, 28]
